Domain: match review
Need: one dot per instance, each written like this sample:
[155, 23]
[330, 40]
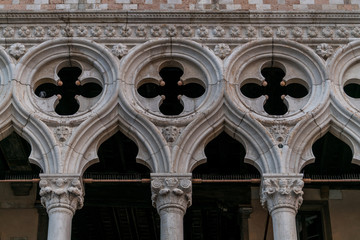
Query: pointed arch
[240, 126]
[341, 124]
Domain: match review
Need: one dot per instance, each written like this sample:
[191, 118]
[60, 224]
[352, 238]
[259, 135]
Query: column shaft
[282, 195]
[62, 195]
[60, 220]
[284, 225]
[171, 195]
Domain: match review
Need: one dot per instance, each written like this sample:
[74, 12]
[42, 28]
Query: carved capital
[61, 191]
[278, 191]
[171, 191]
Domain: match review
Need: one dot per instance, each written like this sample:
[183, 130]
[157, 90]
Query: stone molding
[61, 192]
[282, 191]
[171, 192]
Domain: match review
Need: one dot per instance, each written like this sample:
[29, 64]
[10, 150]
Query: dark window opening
[352, 90]
[332, 159]
[117, 157]
[215, 213]
[313, 221]
[275, 90]
[309, 225]
[171, 88]
[117, 210]
[14, 159]
[68, 87]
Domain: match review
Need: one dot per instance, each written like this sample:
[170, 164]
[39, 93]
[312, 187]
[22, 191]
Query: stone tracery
[220, 107]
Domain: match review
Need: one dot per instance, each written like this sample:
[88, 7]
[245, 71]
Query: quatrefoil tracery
[171, 88]
[275, 89]
[67, 90]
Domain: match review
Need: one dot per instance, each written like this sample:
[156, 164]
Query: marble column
[61, 195]
[171, 195]
[282, 195]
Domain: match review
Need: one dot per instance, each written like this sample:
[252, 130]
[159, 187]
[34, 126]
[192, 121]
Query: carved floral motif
[53, 31]
[171, 192]
[171, 31]
[324, 50]
[279, 192]
[17, 50]
[187, 31]
[61, 192]
[156, 31]
[141, 31]
[219, 31]
[82, 31]
[342, 32]
[24, 31]
[96, 31]
[39, 31]
[235, 32]
[251, 32]
[313, 32]
[125, 31]
[356, 32]
[327, 32]
[67, 31]
[203, 32]
[297, 32]
[222, 50]
[267, 31]
[282, 32]
[119, 50]
[8, 32]
[109, 31]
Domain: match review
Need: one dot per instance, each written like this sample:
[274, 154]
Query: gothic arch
[51, 135]
[299, 63]
[146, 60]
[190, 153]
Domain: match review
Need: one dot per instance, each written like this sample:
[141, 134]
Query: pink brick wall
[166, 5]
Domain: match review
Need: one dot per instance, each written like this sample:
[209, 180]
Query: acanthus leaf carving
[61, 192]
[282, 191]
[171, 191]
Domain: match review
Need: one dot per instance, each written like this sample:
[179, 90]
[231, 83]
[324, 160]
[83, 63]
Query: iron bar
[195, 180]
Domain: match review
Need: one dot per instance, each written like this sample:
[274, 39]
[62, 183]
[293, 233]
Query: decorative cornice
[171, 191]
[209, 27]
[61, 192]
[282, 191]
[177, 17]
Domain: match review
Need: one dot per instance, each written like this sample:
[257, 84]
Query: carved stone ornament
[171, 191]
[17, 50]
[119, 50]
[282, 192]
[61, 192]
[222, 50]
[324, 50]
[62, 133]
[171, 133]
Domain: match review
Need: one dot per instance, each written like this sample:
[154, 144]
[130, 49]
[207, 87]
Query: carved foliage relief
[170, 192]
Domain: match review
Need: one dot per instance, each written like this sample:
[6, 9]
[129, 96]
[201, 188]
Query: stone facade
[220, 50]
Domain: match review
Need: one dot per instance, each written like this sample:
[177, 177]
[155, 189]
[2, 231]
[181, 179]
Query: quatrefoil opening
[275, 89]
[171, 87]
[68, 89]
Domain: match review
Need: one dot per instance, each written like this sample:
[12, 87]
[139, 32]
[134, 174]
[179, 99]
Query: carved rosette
[61, 192]
[171, 192]
[282, 192]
